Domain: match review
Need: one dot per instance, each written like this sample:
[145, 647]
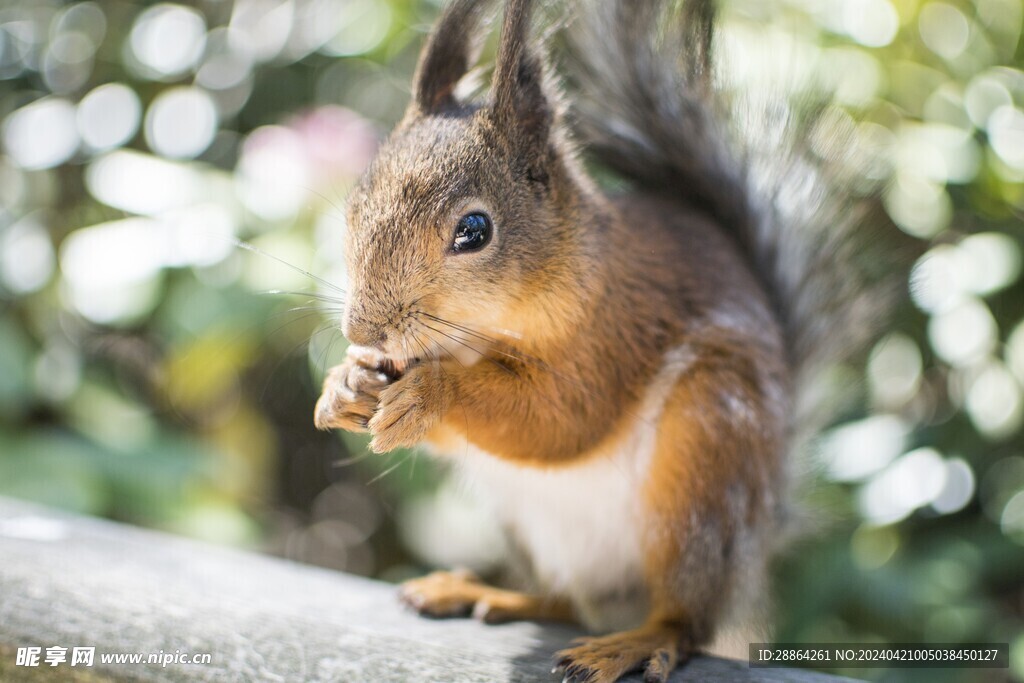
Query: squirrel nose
[363, 333]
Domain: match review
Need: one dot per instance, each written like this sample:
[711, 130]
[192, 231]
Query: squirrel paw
[655, 648]
[461, 594]
[349, 398]
[407, 409]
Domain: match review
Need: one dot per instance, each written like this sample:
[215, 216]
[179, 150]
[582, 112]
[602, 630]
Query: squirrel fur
[621, 374]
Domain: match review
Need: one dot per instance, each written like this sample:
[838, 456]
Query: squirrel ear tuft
[521, 108]
[447, 55]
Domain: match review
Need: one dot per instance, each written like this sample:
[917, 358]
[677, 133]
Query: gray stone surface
[72, 581]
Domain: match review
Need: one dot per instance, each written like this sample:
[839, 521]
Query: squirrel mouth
[374, 359]
[396, 367]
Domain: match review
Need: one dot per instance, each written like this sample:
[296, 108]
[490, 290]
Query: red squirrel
[620, 372]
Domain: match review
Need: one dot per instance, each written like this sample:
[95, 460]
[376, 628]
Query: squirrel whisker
[312, 295]
[464, 343]
[392, 468]
[462, 405]
[256, 250]
[313, 308]
[298, 318]
[436, 345]
[304, 342]
[473, 331]
[353, 460]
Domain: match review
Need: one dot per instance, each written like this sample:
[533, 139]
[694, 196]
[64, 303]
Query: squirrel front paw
[350, 396]
[461, 593]
[408, 408]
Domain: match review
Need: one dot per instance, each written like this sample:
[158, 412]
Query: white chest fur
[582, 525]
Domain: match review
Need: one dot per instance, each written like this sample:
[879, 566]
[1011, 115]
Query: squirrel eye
[472, 233]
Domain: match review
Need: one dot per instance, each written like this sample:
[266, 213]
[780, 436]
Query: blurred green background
[153, 372]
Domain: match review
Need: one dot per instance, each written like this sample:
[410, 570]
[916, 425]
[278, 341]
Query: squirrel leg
[657, 647]
[460, 593]
[700, 497]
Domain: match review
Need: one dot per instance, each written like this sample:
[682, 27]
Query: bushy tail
[648, 107]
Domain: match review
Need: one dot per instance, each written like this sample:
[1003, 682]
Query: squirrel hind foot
[655, 648]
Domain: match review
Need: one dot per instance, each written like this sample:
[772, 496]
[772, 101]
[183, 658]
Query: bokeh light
[110, 270]
[910, 482]
[274, 173]
[994, 402]
[958, 490]
[144, 184]
[944, 29]
[859, 449]
[986, 92]
[963, 333]
[894, 371]
[1006, 133]
[26, 255]
[181, 122]
[873, 23]
[167, 40]
[108, 116]
[262, 26]
[41, 134]
[361, 26]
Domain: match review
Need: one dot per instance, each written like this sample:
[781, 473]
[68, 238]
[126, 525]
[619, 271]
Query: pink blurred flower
[339, 141]
[321, 151]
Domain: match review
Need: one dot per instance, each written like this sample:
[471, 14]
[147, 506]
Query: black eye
[472, 233]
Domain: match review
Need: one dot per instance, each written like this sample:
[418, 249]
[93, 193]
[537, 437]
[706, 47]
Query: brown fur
[564, 319]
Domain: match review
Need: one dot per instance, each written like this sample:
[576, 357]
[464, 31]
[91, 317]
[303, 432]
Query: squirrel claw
[407, 409]
[654, 648]
[349, 397]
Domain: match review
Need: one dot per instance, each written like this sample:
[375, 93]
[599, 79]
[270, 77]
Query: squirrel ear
[447, 56]
[521, 108]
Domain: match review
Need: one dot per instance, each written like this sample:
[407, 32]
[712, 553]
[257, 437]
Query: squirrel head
[464, 216]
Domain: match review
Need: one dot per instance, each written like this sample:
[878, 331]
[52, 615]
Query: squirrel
[622, 373]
